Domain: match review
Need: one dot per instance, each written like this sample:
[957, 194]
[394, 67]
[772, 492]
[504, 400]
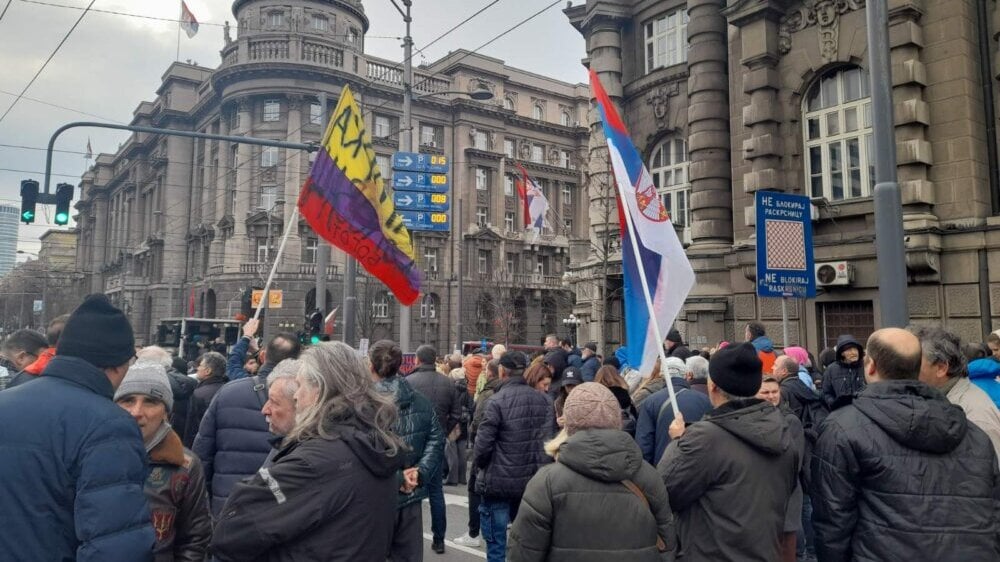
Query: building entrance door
[851, 317]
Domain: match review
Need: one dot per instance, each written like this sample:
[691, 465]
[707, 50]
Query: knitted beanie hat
[98, 333]
[737, 370]
[591, 406]
[148, 379]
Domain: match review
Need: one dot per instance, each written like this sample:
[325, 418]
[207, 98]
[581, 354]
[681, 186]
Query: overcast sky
[112, 62]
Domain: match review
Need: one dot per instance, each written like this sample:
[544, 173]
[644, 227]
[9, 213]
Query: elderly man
[73, 464]
[175, 486]
[279, 410]
[944, 368]
[899, 473]
[23, 348]
[697, 373]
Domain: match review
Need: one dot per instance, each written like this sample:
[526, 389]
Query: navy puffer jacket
[517, 422]
[233, 439]
[73, 470]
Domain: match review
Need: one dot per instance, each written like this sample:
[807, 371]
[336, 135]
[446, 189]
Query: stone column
[708, 126]
[204, 199]
[237, 246]
[100, 240]
[761, 116]
[219, 182]
[293, 182]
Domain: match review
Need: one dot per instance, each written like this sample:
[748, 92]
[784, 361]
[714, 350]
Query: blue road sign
[420, 220]
[785, 266]
[419, 181]
[417, 162]
[417, 201]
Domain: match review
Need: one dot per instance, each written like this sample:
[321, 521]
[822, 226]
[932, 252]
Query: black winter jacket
[323, 500]
[200, 400]
[440, 390]
[841, 381]
[418, 427]
[183, 388]
[730, 477]
[578, 510]
[479, 407]
[900, 474]
[517, 422]
[175, 489]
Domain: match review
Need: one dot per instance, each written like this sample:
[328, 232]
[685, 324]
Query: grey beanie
[149, 379]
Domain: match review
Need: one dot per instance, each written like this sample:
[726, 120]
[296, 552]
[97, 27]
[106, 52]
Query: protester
[770, 391]
[674, 346]
[233, 439]
[52, 332]
[180, 384]
[984, 372]
[490, 379]
[574, 357]
[457, 443]
[24, 348]
[589, 362]
[418, 427]
[608, 377]
[900, 474]
[241, 362]
[279, 409]
[944, 368]
[844, 378]
[674, 367]
[472, 368]
[730, 476]
[993, 342]
[656, 413]
[562, 389]
[599, 500]
[539, 378]
[756, 334]
[697, 373]
[555, 357]
[331, 493]
[211, 376]
[448, 407]
[175, 487]
[73, 463]
[508, 450]
[801, 357]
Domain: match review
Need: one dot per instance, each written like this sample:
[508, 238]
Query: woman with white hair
[331, 493]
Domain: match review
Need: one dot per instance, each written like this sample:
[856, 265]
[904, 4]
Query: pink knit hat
[591, 406]
[799, 354]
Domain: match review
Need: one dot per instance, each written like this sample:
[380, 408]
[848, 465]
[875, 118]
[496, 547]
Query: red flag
[191, 303]
[522, 192]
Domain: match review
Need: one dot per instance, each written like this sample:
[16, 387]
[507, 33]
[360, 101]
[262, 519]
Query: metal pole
[889, 245]
[405, 145]
[457, 220]
[322, 251]
[784, 321]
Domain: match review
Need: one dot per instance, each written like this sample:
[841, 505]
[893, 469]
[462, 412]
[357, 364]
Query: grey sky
[112, 62]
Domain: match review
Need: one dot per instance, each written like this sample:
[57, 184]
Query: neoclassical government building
[171, 226]
[726, 98]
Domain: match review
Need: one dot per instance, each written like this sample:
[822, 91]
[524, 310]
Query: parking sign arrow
[405, 160]
[406, 200]
[405, 181]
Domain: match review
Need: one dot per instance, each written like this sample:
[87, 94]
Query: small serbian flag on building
[661, 259]
[345, 201]
[535, 203]
[188, 22]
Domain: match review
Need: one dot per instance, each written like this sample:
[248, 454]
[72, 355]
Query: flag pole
[292, 221]
[649, 299]
[178, 57]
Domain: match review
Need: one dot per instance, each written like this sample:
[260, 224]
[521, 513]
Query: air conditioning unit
[834, 273]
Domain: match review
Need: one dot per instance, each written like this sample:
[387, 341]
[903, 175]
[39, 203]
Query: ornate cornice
[825, 14]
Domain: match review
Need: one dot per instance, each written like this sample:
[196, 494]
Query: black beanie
[98, 333]
[737, 369]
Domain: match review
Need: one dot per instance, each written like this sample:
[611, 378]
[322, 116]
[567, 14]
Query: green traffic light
[27, 215]
[62, 218]
[315, 339]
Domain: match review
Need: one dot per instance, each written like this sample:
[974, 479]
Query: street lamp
[572, 323]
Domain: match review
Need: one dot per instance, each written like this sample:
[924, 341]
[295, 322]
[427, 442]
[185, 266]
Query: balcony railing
[294, 49]
[310, 269]
[393, 75]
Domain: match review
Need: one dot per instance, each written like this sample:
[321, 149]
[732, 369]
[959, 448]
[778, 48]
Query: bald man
[900, 473]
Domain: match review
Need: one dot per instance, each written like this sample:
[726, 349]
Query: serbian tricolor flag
[345, 201]
[188, 22]
[534, 201]
[661, 258]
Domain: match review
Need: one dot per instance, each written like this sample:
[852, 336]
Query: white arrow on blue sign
[417, 201]
[418, 181]
[418, 162]
[420, 220]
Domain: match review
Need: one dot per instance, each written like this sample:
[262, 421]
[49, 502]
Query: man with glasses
[22, 348]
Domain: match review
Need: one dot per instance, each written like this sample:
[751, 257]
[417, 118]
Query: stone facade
[172, 226]
[770, 94]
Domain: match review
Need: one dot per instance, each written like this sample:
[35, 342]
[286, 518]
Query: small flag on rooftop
[188, 22]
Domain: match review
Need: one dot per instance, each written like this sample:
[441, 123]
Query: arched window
[508, 103]
[837, 128]
[565, 119]
[537, 113]
[428, 306]
[669, 167]
[380, 306]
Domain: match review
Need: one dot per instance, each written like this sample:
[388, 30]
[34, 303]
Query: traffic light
[315, 324]
[29, 196]
[64, 194]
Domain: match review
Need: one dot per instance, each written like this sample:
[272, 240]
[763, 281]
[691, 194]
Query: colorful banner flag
[661, 259]
[345, 201]
[189, 23]
[535, 203]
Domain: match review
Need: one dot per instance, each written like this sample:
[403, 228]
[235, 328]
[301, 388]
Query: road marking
[466, 549]
[455, 499]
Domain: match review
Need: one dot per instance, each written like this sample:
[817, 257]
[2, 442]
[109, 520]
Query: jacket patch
[157, 477]
[163, 524]
[272, 485]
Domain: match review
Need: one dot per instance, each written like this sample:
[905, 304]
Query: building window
[564, 159]
[508, 221]
[542, 267]
[316, 114]
[567, 194]
[670, 175]
[318, 23]
[482, 214]
[508, 103]
[480, 141]
[383, 127]
[565, 119]
[265, 251]
[508, 185]
[508, 148]
[380, 307]
[310, 250]
[272, 110]
[384, 164]
[484, 261]
[537, 112]
[482, 179]
[276, 19]
[353, 37]
[234, 120]
[837, 125]
[666, 40]
[428, 307]
[538, 153]
[430, 259]
[511, 263]
[268, 196]
[431, 135]
[269, 156]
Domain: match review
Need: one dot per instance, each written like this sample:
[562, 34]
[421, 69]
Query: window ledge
[847, 208]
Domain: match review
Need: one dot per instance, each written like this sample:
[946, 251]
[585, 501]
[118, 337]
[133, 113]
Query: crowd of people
[885, 449]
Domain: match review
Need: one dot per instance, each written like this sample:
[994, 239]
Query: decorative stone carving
[225, 34]
[295, 102]
[823, 13]
[659, 98]
[524, 149]
[243, 104]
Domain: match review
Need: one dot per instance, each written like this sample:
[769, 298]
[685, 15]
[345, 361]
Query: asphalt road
[456, 502]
